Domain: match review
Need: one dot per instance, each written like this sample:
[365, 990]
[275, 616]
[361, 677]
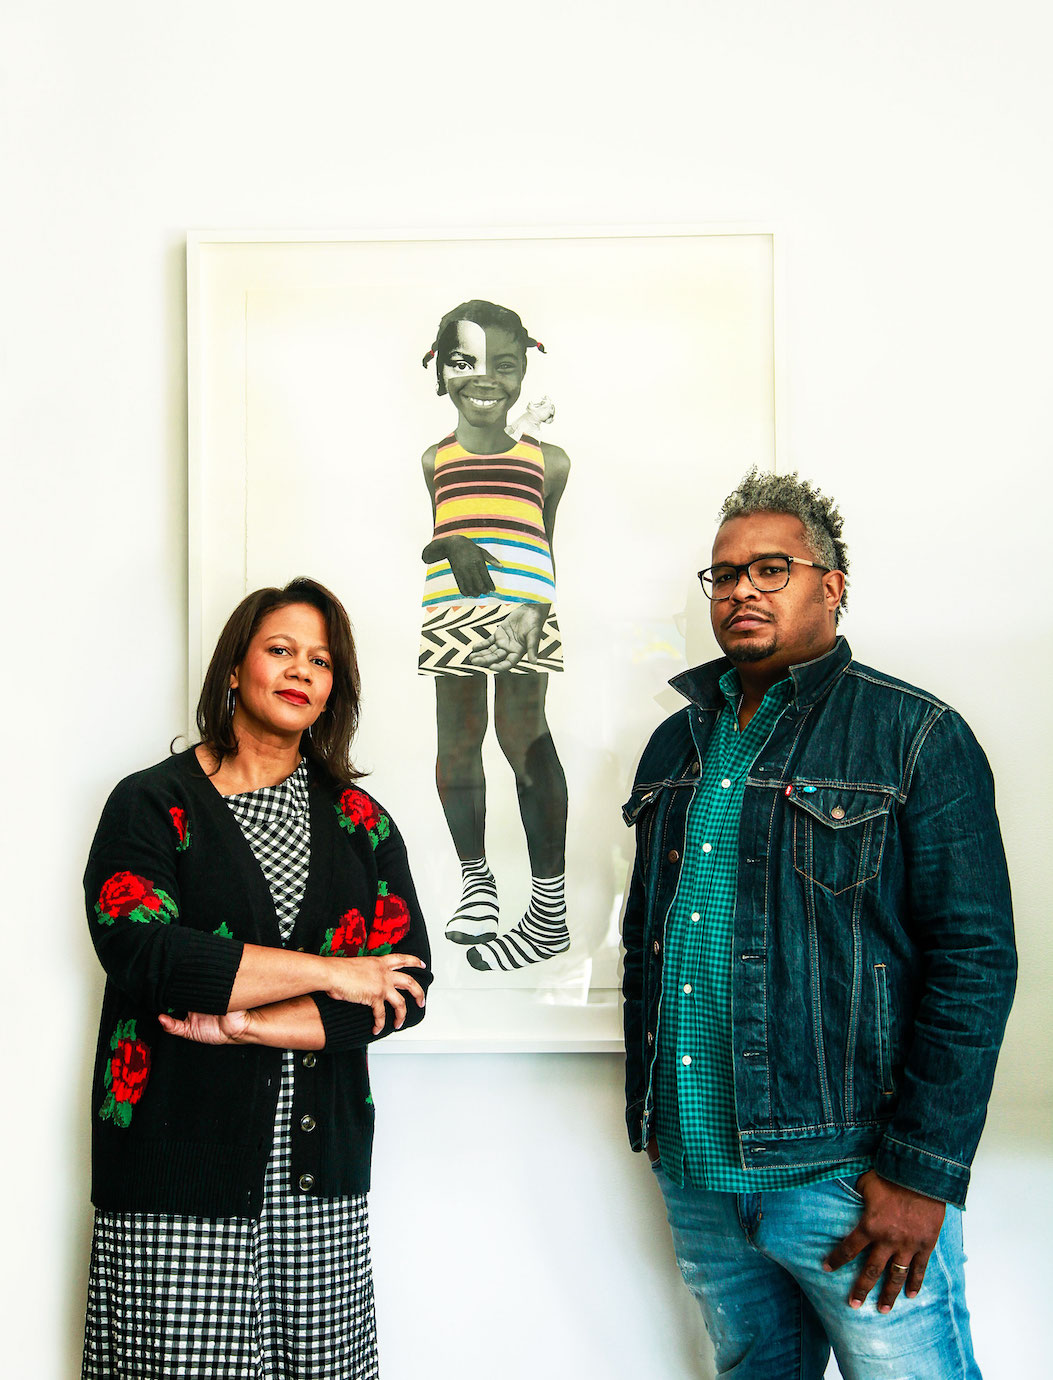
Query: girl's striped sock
[477, 916]
[542, 933]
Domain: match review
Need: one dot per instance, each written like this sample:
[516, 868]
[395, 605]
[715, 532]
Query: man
[819, 966]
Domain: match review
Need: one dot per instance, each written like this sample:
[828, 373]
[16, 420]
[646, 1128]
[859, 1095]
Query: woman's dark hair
[483, 314]
[328, 744]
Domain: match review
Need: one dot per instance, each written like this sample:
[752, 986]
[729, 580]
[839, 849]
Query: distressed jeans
[754, 1263]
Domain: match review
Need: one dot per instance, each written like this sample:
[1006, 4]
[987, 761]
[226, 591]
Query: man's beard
[746, 652]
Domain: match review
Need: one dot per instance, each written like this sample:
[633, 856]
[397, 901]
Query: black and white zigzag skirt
[453, 631]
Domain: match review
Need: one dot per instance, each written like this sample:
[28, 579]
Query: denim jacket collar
[812, 679]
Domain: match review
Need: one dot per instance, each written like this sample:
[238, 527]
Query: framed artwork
[505, 453]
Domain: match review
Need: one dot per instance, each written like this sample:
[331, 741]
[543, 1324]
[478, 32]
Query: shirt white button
[707, 848]
[686, 1059]
[687, 989]
[725, 783]
[696, 916]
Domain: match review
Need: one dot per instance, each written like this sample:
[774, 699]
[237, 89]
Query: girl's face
[483, 373]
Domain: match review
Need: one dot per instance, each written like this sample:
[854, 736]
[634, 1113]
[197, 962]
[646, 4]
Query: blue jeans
[754, 1263]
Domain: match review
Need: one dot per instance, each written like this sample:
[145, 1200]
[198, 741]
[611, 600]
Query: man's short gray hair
[764, 492]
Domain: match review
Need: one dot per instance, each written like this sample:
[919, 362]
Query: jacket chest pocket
[838, 834]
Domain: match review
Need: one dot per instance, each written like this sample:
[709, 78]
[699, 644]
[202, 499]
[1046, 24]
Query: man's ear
[833, 588]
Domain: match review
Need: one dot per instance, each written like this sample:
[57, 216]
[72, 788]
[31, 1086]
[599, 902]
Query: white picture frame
[308, 415]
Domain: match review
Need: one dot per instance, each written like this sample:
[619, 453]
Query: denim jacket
[873, 955]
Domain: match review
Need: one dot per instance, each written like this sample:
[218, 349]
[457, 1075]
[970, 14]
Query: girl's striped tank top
[498, 501]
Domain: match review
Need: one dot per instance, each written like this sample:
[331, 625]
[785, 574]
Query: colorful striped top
[498, 501]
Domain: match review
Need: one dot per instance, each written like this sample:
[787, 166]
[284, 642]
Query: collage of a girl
[489, 617]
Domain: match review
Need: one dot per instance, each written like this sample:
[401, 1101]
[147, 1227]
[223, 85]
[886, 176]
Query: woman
[258, 925]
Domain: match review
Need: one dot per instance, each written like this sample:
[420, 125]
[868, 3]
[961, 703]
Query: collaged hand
[206, 1029]
[378, 984]
[516, 637]
[470, 564]
[899, 1230]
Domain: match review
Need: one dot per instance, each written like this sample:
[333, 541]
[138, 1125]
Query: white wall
[901, 149]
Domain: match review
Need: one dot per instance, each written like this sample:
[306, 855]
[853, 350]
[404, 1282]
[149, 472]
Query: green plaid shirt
[694, 1075]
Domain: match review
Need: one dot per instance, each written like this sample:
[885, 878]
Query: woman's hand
[206, 1029]
[469, 562]
[377, 983]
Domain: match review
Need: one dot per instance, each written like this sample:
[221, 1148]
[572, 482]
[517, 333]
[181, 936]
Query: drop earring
[231, 702]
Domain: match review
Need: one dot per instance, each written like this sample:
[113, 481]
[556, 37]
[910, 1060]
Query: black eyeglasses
[769, 574]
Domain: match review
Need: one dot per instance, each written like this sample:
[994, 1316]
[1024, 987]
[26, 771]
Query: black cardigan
[173, 892]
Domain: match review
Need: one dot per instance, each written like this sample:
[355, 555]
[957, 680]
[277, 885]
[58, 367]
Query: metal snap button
[307, 1123]
[657, 947]
[674, 856]
[309, 1060]
[837, 812]
[306, 1183]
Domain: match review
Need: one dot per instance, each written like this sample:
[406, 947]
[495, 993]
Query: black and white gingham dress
[286, 1297]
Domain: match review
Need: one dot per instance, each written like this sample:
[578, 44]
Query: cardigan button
[306, 1183]
[307, 1123]
[674, 856]
[309, 1060]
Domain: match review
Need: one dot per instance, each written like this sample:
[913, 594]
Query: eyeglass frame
[791, 561]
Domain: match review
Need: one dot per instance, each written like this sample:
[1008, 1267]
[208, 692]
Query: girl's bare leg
[523, 732]
[461, 720]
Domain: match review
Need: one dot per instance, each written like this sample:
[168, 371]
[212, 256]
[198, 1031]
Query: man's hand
[901, 1229]
[652, 1150]
[516, 637]
[206, 1029]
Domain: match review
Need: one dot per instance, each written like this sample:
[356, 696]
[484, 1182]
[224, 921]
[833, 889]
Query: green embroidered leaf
[107, 1073]
[224, 931]
[383, 828]
[167, 902]
[382, 888]
[327, 942]
[122, 1113]
[102, 916]
[378, 951]
[125, 1031]
[106, 1110]
[369, 1099]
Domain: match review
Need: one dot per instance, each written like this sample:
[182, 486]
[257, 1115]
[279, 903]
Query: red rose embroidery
[355, 809]
[391, 922]
[349, 936]
[126, 896]
[182, 828]
[126, 1074]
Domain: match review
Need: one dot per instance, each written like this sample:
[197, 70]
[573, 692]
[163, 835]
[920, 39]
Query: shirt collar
[777, 695]
[702, 685]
